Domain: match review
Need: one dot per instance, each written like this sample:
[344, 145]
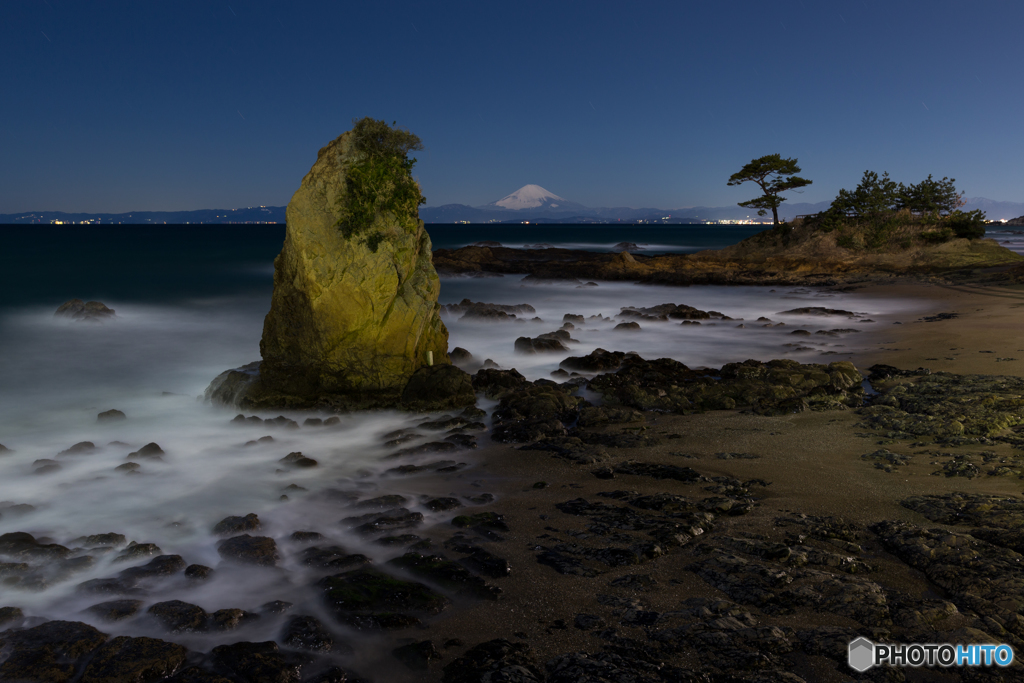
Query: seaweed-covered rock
[945, 405]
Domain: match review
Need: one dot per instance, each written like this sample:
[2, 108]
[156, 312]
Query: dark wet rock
[297, 459]
[491, 521]
[635, 582]
[886, 460]
[90, 311]
[628, 327]
[417, 656]
[198, 572]
[134, 659]
[47, 652]
[495, 660]
[231, 619]
[112, 540]
[955, 409]
[333, 557]
[573, 318]
[10, 615]
[496, 383]
[257, 662]
[773, 388]
[439, 466]
[460, 356]
[472, 309]
[313, 422]
[485, 562]
[593, 416]
[588, 622]
[383, 502]
[367, 598]
[443, 572]
[664, 312]
[462, 440]
[570, 448]
[542, 344]
[158, 567]
[438, 387]
[116, 610]
[645, 469]
[307, 633]
[80, 448]
[45, 466]
[306, 536]
[180, 617]
[4, 450]
[245, 549]
[959, 466]
[275, 607]
[563, 563]
[129, 468]
[111, 416]
[777, 590]
[403, 540]
[597, 360]
[235, 524]
[442, 504]
[534, 412]
[333, 674]
[19, 546]
[819, 311]
[425, 449]
[150, 450]
[281, 421]
[390, 520]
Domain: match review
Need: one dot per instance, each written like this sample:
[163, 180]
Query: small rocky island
[354, 314]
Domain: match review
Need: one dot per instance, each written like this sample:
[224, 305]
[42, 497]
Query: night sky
[145, 105]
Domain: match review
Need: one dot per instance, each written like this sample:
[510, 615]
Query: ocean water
[190, 302]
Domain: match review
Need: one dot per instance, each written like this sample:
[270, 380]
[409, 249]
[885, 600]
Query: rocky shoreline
[741, 523]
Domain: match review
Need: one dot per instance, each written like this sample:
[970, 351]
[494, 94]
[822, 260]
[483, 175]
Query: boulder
[93, 311]
[438, 387]
[354, 312]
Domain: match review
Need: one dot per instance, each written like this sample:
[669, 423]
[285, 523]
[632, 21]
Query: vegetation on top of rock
[877, 212]
[380, 181]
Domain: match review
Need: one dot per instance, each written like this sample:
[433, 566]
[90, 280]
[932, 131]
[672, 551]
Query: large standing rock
[352, 318]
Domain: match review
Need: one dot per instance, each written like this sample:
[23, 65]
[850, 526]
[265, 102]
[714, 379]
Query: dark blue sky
[146, 105]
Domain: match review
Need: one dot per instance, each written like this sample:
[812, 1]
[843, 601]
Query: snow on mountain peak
[527, 197]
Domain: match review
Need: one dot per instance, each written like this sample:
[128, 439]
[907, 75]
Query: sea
[190, 302]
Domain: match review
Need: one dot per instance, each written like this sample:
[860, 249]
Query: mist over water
[155, 357]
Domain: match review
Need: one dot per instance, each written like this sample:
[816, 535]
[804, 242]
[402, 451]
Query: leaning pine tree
[773, 175]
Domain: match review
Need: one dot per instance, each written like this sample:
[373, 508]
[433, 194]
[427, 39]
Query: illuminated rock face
[348, 324]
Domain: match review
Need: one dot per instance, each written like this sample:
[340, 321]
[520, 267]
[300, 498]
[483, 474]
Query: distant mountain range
[535, 204]
[529, 203]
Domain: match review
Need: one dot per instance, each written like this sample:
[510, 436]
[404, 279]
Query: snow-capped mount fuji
[534, 198]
